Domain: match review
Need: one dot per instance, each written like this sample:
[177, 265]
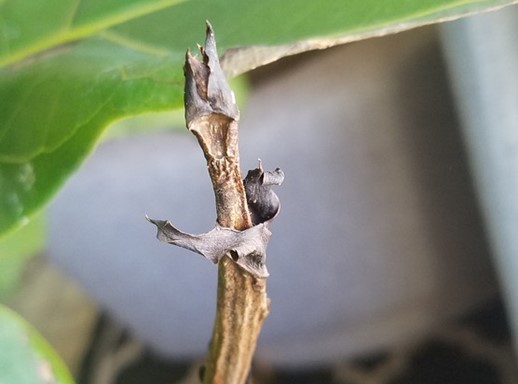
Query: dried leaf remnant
[248, 247]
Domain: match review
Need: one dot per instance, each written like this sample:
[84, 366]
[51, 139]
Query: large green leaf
[69, 68]
[25, 357]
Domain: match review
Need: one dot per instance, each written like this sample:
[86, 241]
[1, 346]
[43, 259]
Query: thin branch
[244, 210]
[212, 116]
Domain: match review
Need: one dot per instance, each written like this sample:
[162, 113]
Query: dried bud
[206, 88]
[263, 203]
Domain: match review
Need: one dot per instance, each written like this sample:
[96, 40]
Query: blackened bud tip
[189, 58]
[210, 42]
[206, 88]
[209, 30]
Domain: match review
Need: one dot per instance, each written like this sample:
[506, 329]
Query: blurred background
[393, 259]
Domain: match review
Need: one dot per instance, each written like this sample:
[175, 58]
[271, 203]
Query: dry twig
[244, 212]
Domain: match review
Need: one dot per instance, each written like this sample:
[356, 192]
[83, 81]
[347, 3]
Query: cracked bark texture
[242, 305]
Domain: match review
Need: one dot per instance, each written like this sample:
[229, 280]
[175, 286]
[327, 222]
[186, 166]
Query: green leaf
[25, 357]
[70, 68]
[16, 249]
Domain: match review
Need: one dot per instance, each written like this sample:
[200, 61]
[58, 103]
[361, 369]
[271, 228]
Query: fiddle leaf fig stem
[244, 212]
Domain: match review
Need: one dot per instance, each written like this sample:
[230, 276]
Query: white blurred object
[482, 54]
[378, 239]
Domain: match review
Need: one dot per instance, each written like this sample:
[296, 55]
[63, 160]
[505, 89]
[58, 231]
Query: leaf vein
[80, 32]
[135, 45]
